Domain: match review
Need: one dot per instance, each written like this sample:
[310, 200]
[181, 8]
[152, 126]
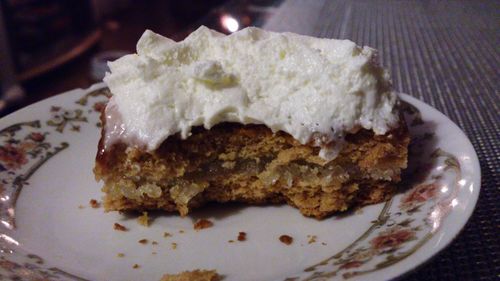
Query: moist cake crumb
[174, 245]
[119, 227]
[202, 224]
[286, 239]
[143, 241]
[143, 219]
[242, 236]
[135, 266]
[271, 168]
[195, 275]
[166, 234]
[228, 164]
[94, 203]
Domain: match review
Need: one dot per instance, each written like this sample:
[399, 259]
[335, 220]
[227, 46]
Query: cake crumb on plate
[195, 275]
[143, 219]
[312, 239]
[242, 236]
[202, 224]
[286, 239]
[94, 203]
[119, 227]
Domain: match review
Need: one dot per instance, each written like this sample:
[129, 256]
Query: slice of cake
[256, 117]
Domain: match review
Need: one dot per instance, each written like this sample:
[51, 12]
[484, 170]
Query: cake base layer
[251, 164]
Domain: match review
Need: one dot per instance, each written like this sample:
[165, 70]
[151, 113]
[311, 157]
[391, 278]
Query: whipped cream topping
[314, 89]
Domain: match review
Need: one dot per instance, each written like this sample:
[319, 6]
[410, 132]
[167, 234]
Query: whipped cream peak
[314, 89]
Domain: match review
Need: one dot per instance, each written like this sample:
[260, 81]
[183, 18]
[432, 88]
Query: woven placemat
[447, 55]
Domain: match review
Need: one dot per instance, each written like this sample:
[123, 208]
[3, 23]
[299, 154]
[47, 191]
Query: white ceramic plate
[47, 154]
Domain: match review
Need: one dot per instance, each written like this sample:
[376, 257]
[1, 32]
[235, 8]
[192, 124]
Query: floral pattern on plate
[404, 225]
[24, 147]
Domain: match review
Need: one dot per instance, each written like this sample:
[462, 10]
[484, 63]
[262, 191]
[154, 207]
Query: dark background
[51, 43]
